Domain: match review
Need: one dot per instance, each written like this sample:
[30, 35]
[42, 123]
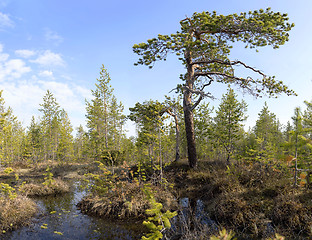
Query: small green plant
[8, 170]
[223, 235]
[20, 188]
[103, 182]
[277, 237]
[48, 179]
[7, 191]
[158, 221]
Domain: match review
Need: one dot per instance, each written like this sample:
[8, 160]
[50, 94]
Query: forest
[253, 183]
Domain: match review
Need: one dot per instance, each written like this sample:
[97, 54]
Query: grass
[254, 200]
[125, 202]
[58, 186]
[15, 212]
[15, 206]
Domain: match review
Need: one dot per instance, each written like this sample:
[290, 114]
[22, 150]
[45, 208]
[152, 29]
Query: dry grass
[125, 202]
[255, 200]
[38, 189]
[15, 212]
[292, 216]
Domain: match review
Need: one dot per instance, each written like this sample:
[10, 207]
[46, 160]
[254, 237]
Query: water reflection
[59, 215]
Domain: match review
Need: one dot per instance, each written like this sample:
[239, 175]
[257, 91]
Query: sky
[61, 45]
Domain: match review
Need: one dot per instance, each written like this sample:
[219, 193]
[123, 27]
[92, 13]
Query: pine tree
[49, 125]
[307, 119]
[268, 134]
[65, 148]
[203, 44]
[297, 143]
[228, 121]
[81, 144]
[203, 122]
[117, 121]
[104, 118]
[34, 137]
[174, 109]
[148, 117]
[12, 135]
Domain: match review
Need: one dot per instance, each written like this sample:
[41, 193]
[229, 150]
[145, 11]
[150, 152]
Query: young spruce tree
[228, 121]
[268, 134]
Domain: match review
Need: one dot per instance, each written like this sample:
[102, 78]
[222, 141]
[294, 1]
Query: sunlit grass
[15, 212]
[58, 186]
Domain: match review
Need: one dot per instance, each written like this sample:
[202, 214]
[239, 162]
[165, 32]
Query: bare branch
[176, 88]
[207, 84]
[201, 94]
[230, 63]
[242, 82]
[196, 103]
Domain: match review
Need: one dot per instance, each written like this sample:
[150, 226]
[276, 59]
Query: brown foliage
[38, 189]
[254, 200]
[124, 203]
[15, 212]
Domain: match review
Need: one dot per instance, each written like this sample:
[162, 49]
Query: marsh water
[59, 218]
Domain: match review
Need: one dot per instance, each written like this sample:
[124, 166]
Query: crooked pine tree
[203, 45]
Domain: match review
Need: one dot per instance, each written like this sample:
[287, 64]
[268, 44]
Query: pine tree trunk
[190, 136]
[188, 114]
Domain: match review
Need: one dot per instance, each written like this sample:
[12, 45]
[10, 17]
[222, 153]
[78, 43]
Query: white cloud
[5, 21]
[53, 36]
[46, 73]
[86, 93]
[14, 68]
[11, 68]
[25, 96]
[3, 56]
[25, 53]
[48, 58]
[65, 94]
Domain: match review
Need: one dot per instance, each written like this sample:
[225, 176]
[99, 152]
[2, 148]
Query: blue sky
[61, 45]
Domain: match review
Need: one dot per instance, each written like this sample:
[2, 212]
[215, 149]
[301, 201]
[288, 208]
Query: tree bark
[190, 136]
[188, 114]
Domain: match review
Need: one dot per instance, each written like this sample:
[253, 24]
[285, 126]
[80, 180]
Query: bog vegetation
[254, 182]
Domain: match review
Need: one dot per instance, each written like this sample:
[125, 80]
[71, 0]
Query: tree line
[161, 132]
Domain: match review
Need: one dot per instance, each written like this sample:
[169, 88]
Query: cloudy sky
[61, 45]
